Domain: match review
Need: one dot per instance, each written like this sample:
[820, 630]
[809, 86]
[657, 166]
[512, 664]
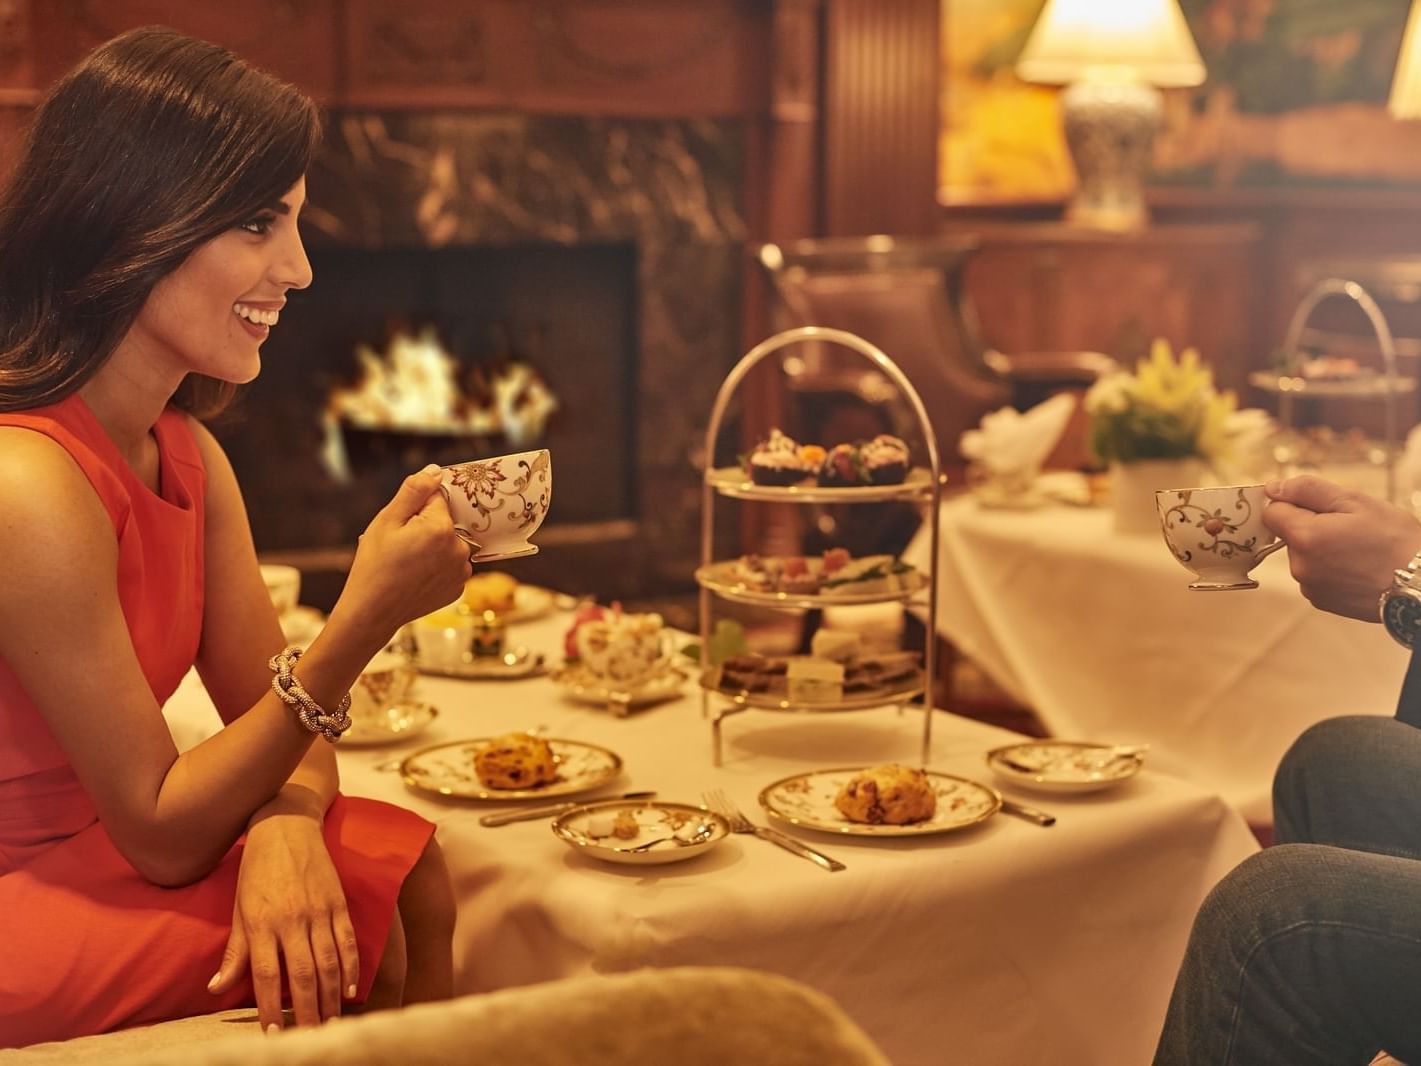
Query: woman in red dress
[147, 243]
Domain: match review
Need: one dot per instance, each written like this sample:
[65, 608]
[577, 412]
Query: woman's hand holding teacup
[1342, 545]
[409, 562]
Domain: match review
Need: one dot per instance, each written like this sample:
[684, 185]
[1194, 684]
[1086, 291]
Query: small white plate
[1062, 766]
[530, 602]
[582, 685]
[808, 800]
[390, 726]
[581, 830]
[448, 770]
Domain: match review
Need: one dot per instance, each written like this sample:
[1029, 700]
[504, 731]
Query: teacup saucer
[517, 553]
[394, 723]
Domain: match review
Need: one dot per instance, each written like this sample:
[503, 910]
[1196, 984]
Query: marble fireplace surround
[670, 187]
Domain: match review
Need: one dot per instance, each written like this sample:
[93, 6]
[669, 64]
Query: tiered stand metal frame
[915, 487]
[1290, 384]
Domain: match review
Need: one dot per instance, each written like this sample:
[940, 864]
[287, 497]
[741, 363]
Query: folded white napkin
[1016, 442]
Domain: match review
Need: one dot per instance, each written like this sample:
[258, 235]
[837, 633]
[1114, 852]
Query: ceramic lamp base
[1110, 126]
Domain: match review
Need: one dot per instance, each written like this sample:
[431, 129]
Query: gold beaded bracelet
[313, 716]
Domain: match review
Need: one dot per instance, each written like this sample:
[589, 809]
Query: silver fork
[719, 802]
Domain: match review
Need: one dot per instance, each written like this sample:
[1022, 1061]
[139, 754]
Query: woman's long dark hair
[154, 144]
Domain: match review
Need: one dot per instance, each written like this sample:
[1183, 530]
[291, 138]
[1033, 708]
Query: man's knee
[1266, 892]
[1325, 757]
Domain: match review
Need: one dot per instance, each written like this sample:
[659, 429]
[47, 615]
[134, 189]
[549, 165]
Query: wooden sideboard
[1053, 287]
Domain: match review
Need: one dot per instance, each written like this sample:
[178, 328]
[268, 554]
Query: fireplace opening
[546, 330]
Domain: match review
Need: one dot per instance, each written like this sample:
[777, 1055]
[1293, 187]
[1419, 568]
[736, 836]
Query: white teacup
[386, 681]
[499, 503]
[283, 585]
[1217, 533]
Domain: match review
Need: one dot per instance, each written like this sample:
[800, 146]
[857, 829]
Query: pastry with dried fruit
[890, 794]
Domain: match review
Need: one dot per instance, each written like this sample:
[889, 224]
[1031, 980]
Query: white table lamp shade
[1405, 99]
[1114, 56]
[1147, 38]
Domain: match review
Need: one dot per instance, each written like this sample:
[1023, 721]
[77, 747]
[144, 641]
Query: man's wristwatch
[1401, 604]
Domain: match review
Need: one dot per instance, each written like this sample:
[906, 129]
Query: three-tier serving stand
[1289, 384]
[920, 485]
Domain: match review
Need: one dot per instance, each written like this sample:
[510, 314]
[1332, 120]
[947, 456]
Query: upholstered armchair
[692, 1016]
[908, 297]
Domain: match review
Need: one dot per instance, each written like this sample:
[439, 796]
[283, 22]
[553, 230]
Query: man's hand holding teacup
[1342, 545]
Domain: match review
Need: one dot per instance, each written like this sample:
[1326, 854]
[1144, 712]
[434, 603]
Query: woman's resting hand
[290, 916]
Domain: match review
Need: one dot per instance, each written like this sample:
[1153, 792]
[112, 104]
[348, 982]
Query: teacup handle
[1258, 555]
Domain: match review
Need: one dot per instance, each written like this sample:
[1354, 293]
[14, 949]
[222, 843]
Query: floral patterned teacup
[499, 503]
[385, 682]
[1217, 533]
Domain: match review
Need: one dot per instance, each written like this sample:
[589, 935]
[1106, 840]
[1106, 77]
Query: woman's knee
[387, 988]
[427, 896]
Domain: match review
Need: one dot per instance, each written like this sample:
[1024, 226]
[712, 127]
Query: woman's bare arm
[62, 631]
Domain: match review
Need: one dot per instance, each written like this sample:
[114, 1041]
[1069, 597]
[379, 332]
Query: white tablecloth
[1099, 633]
[1004, 944]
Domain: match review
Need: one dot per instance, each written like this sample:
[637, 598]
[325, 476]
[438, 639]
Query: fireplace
[606, 254]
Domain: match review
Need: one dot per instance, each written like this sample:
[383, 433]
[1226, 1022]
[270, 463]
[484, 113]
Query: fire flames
[414, 387]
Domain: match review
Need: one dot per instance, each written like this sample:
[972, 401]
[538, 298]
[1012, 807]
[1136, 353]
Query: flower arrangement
[1166, 409]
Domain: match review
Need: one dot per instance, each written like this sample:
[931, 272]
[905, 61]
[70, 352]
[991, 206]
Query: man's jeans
[1310, 951]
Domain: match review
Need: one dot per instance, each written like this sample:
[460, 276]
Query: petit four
[780, 460]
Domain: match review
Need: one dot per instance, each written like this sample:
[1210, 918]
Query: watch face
[1401, 614]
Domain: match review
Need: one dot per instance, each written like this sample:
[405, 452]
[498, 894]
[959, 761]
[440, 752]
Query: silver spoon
[701, 834]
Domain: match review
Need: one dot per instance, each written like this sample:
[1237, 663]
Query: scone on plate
[490, 590]
[887, 795]
[515, 760]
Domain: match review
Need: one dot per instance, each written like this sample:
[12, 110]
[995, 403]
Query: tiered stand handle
[722, 401]
[1351, 290]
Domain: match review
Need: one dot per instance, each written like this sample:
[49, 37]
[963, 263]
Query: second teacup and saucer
[1217, 533]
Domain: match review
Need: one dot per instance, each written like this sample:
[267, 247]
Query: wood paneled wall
[881, 70]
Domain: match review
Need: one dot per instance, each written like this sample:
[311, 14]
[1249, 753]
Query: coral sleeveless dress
[86, 944]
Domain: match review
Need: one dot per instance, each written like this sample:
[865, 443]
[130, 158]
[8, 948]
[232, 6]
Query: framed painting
[1295, 96]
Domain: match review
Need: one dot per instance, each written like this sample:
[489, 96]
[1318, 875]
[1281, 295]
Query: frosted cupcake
[885, 460]
[780, 460]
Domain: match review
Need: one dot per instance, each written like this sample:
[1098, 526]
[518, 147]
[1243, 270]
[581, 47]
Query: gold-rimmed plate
[683, 831]
[1063, 765]
[734, 482]
[448, 770]
[807, 800]
[391, 725]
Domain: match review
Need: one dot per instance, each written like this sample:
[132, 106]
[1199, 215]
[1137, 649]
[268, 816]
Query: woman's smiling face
[211, 314]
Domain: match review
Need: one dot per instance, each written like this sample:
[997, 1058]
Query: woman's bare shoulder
[43, 490]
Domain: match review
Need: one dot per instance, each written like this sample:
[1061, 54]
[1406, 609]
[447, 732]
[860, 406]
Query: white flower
[1111, 394]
